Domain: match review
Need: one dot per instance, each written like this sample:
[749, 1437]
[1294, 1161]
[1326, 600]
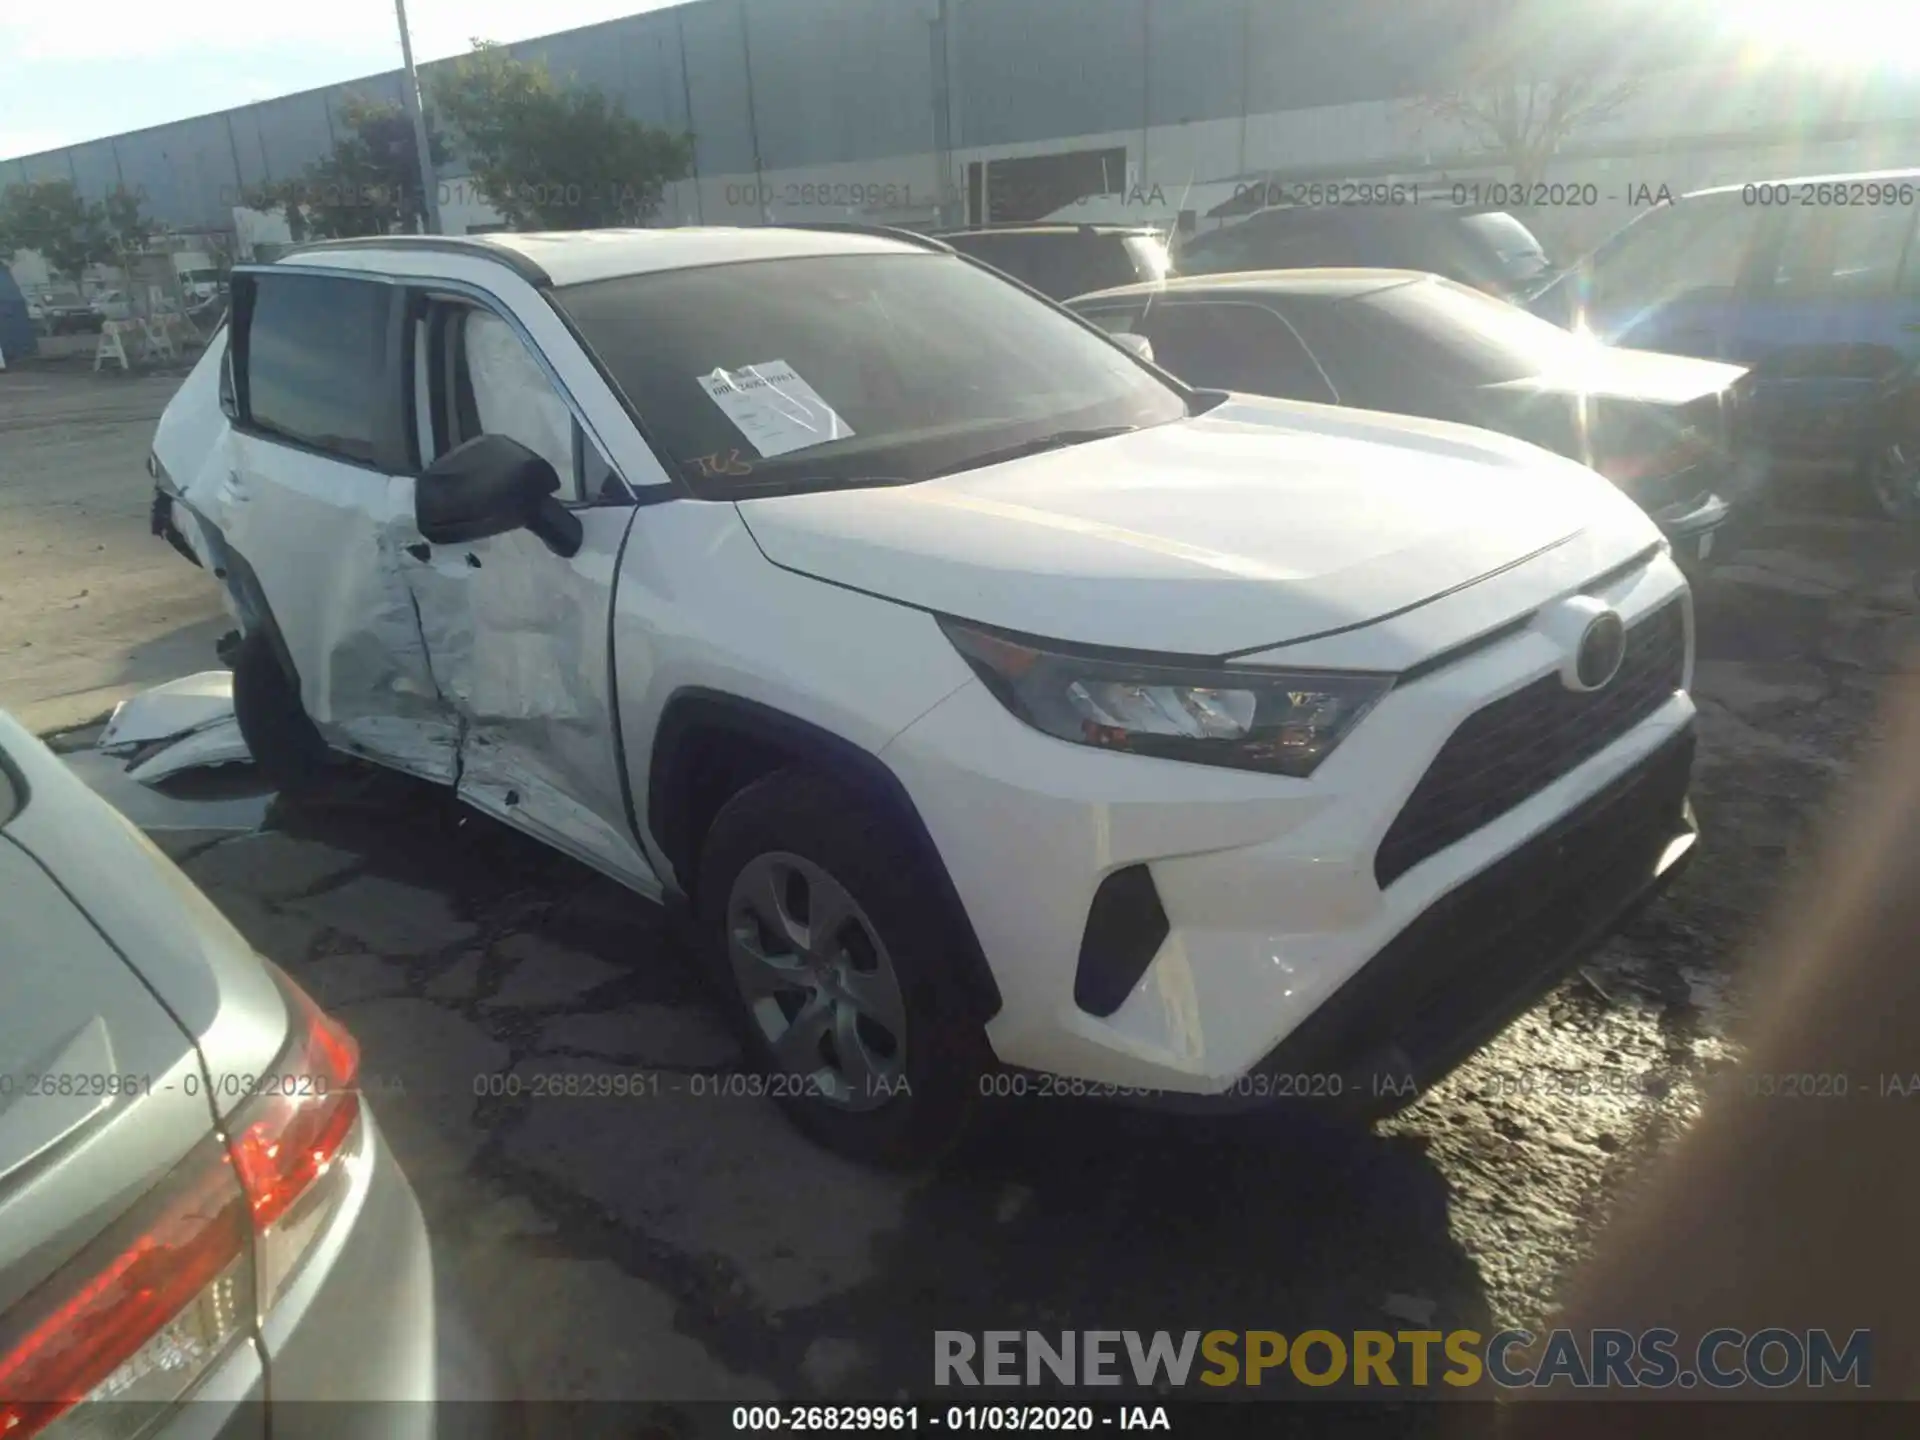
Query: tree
[70, 233]
[369, 184]
[1520, 100]
[549, 156]
[50, 218]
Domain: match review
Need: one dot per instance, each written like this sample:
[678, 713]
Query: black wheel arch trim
[694, 709]
[249, 597]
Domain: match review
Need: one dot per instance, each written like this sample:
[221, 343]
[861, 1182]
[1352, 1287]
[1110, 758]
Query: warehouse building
[918, 112]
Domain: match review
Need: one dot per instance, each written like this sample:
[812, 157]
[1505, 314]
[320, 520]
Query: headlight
[1282, 721]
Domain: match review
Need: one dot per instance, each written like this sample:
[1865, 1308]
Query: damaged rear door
[316, 509]
[518, 633]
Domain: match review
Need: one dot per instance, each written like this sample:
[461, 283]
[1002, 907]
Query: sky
[80, 73]
[68, 75]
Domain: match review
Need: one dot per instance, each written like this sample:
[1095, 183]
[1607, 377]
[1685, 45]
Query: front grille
[1489, 948]
[1523, 742]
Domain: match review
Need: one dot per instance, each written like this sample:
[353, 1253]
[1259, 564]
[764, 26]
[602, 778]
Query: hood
[1618, 373]
[1258, 523]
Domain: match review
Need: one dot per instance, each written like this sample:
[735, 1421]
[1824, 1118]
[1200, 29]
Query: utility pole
[410, 92]
[753, 121]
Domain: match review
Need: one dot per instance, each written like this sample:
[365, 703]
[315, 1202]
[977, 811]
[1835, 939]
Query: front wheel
[837, 964]
[287, 749]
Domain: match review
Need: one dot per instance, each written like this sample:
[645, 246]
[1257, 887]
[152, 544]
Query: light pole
[410, 92]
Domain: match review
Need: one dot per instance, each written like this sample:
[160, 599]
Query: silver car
[195, 1201]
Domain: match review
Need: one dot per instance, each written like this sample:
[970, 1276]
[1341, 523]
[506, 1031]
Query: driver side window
[474, 375]
[1676, 252]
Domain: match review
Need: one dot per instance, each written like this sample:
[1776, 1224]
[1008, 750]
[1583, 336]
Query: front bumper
[1266, 885]
[161, 521]
[1488, 951]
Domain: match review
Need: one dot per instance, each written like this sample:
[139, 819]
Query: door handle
[421, 552]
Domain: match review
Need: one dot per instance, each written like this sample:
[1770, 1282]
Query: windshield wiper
[1058, 440]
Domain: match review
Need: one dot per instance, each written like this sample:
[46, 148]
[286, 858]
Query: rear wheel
[286, 747]
[839, 970]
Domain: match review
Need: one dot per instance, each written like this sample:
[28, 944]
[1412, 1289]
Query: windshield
[852, 369]
[1464, 331]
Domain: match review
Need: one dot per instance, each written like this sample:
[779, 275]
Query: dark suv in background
[1487, 249]
[1061, 261]
[1813, 285]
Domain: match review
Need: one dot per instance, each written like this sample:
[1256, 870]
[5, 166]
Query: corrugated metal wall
[853, 80]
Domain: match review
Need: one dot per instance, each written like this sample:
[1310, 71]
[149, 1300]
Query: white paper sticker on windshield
[774, 408]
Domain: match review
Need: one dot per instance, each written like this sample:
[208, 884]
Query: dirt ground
[680, 1244]
[92, 606]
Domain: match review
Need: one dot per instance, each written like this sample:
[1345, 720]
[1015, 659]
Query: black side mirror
[491, 485]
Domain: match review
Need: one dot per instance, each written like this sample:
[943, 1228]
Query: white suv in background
[990, 700]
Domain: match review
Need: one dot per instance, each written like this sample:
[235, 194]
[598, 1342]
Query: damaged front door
[316, 510]
[516, 632]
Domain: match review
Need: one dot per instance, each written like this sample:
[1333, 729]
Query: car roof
[1910, 174]
[1064, 227]
[575, 257]
[1327, 283]
[1424, 211]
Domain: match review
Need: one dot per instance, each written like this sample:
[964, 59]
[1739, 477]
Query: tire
[788, 842]
[286, 747]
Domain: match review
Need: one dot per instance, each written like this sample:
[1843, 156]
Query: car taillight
[151, 1304]
[140, 1313]
[287, 1135]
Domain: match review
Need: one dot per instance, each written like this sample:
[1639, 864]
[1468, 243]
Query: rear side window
[1279, 242]
[1841, 250]
[314, 361]
[1065, 265]
[1234, 347]
[1114, 319]
[1676, 252]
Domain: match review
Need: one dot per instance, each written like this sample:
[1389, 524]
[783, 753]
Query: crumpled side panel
[518, 643]
[325, 542]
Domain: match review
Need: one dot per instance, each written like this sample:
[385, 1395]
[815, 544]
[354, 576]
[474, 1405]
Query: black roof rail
[526, 268]
[866, 227]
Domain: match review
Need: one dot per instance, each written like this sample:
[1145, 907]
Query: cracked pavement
[679, 1242]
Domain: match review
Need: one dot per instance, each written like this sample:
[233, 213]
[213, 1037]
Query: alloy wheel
[817, 980]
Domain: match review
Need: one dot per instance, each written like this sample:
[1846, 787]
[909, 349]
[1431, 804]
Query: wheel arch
[250, 603]
[710, 744]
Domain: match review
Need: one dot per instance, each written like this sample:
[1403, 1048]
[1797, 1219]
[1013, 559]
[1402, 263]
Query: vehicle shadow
[785, 1263]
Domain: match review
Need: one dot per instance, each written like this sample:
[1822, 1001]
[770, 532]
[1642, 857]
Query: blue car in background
[17, 340]
[1813, 284]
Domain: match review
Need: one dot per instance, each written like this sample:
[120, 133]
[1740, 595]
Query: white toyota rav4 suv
[1007, 716]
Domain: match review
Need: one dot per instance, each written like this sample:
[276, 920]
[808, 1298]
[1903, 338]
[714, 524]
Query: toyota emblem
[1603, 645]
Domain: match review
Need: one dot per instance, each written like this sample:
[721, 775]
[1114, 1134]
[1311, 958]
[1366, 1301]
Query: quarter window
[1674, 252]
[512, 395]
[315, 362]
[1842, 250]
[474, 375]
[1234, 347]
